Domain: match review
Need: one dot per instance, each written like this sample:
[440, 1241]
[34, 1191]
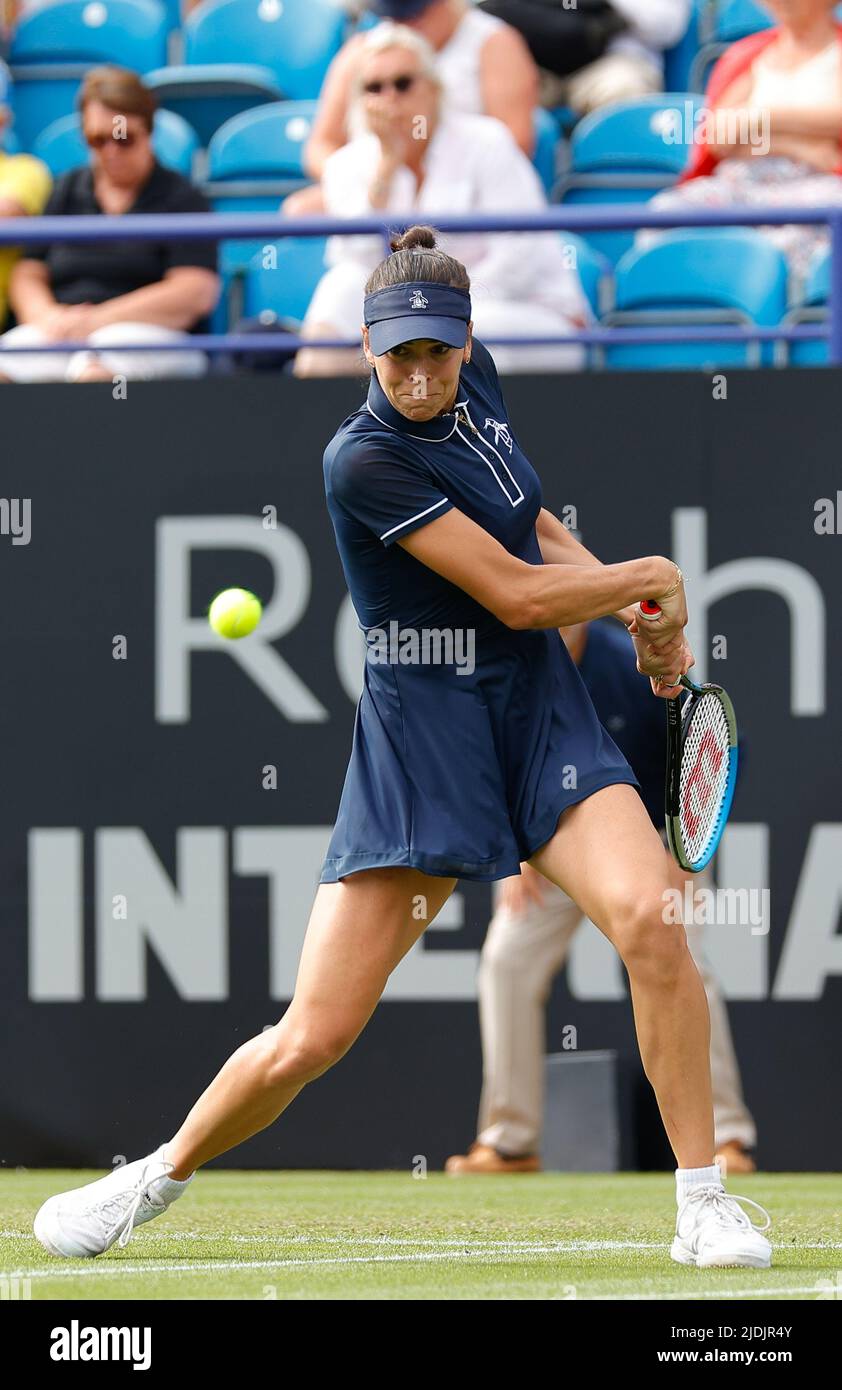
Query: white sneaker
[712, 1229]
[89, 1219]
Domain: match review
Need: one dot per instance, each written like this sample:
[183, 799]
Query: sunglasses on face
[400, 84]
[98, 142]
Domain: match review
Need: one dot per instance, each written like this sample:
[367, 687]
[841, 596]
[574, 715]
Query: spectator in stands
[484, 65]
[24, 189]
[593, 52]
[414, 153]
[108, 292]
[773, 126]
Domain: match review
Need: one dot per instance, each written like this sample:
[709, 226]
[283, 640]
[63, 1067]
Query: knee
[653, 946]
[305, 1054]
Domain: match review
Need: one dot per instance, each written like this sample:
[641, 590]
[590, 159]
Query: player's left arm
[560, 547]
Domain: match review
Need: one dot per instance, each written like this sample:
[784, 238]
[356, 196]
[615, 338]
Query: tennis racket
[702, 755]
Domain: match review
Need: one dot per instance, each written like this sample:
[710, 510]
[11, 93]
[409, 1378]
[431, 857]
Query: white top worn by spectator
[458, 62]
[472, 164]
[654, 26]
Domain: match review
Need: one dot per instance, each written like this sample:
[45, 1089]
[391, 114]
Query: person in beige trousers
[526, 945]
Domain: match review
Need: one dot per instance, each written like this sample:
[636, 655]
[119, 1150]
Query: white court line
[556, 1247]
[498, 1253]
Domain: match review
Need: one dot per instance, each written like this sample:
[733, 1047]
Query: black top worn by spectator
[561, 40]
[91, 272]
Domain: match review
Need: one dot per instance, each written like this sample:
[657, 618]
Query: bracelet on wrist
[679, 580]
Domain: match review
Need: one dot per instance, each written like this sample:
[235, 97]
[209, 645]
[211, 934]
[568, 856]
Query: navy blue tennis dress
[460, 773]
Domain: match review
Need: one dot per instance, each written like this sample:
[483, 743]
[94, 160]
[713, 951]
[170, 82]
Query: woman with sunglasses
[461, 770]
[110, 292]
[410, 152]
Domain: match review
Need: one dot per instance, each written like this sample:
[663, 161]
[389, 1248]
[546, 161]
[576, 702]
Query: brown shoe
[732, 1158]
[481, 1158]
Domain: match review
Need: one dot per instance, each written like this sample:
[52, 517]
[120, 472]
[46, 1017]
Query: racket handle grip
[648, 608]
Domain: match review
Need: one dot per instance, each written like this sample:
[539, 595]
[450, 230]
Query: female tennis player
[461, 768]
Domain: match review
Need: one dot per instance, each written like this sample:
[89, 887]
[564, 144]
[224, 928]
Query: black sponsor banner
[167, 797]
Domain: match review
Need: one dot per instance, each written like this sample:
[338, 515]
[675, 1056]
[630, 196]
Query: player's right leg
[358, 932]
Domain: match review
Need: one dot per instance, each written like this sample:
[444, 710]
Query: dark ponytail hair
[415, 256]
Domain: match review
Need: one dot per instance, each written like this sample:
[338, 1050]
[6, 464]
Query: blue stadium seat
[286, 286]
[721, 23]
[208, 96]
[254, 161]
[62, 146]
[811, 309]
[721, 275]
[296, 39]
[626, 153]
[55, 44]
[678, 60]
[594, 270]
[263, 146]
[547, 138]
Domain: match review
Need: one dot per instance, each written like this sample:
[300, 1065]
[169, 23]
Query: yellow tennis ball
[235, 613]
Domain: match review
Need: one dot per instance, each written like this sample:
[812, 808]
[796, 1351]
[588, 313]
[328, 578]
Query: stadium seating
[721, 23]
[257, 156]
[811, 309]
[295, 38]
[625, 153]
[285, 286]
[209, 96]
[62, 146]
[546, 153]
[240, 53]
[718, 276]
[54, 45]
[243, 53]
[678, 60]
[593, 269]
[253, 162]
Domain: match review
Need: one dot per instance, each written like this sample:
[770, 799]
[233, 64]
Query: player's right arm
[541, 596]
[557, 595]
[396, 497]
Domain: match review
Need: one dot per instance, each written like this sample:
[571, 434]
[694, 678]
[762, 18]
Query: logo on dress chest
[506, 480]
[501, 431]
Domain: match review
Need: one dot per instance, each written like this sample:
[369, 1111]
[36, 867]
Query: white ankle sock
[169, 1187]
[688, 1179]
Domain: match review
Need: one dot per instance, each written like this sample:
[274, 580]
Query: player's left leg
[608, 856]
[358, 932]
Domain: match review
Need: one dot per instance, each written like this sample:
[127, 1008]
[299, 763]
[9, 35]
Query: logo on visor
[418, 300]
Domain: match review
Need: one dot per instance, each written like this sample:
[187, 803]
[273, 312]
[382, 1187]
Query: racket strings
[705, 769]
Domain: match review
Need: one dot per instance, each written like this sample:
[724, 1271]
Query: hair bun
[418, 238]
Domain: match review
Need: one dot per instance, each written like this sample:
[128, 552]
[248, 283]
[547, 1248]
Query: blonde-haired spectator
[412, 155]
[484, 65]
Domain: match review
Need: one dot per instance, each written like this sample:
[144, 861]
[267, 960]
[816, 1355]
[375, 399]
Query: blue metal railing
[581, 218]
